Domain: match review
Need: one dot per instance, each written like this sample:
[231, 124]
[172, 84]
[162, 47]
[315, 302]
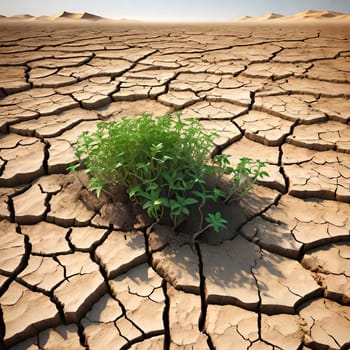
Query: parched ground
[74, 276]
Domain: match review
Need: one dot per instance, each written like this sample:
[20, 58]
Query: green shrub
[163, 163]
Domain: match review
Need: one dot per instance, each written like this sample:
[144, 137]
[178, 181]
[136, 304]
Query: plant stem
[198, 233]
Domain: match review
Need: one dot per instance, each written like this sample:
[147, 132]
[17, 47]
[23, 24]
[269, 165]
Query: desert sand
[306, 17]
[76, 274]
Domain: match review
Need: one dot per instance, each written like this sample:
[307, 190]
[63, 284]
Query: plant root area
[82, 273]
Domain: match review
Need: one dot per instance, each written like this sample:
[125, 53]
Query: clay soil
[82, 273]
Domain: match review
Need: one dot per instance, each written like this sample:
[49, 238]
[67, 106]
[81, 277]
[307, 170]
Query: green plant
[163, 163]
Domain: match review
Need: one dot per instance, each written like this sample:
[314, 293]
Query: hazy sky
[171, 10]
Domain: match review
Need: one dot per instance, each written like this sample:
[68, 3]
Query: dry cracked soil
[74, 276]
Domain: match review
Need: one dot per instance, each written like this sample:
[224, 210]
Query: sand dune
[71, 15]
[306, 15]
[344, 17]
[267, 17]
[318, 14]
[64, 15]
[39, 18]
[25, 16]
[270, 16]
[245, 18]
[314, 14]
[309, 15]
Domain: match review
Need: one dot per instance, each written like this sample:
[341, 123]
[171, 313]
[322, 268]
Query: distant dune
[270, 16]
[64, 15]
[314, 14]
[319, 14]
[266, 17]
[39, 18]
[307, 16]
[25, 16]
[302, 16]
[244, 18]
[75, 16]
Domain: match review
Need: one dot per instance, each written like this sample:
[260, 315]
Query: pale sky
[171, 10]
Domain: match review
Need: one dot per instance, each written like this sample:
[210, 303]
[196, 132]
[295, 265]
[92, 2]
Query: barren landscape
[75, 275]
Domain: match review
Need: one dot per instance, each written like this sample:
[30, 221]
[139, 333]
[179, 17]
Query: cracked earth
[75, 275]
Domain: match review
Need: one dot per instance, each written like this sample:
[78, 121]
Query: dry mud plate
[76, 275]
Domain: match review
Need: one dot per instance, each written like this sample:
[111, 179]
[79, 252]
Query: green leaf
[218, 193]
[136, 191]
[174, 206]
[162, 201]
[263, 174]
[73, 167]
[147, 205]
[203, 195]
[96, 185]
[151, 186]
[185, 211]
[155, 149]
[216, 221]
[189, 201]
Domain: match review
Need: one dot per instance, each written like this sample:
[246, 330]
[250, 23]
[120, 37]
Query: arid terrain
[73, 275]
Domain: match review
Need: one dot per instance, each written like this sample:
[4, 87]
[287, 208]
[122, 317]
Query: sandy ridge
[64, 15]
[305, 15]
[308, 15]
